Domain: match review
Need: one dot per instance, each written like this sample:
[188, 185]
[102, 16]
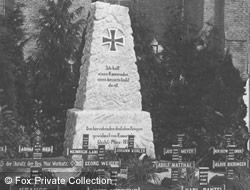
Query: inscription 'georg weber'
[112, 76]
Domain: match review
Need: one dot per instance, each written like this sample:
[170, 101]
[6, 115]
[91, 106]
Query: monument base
[109, 128]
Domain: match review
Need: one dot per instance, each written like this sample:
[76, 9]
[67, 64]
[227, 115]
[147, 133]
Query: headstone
[108, 101]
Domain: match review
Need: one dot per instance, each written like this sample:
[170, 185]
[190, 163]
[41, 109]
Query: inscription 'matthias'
[112, 76]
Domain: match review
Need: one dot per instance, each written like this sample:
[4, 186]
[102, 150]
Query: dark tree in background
[38, 91]
[54, 69]
[12, 38]
[191, 88]
[205, 90]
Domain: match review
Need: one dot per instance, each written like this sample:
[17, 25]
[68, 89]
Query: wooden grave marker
[177, 151]
[85, 150]
[230, 163]
[100, 152]
[203, 182]
[37, 147]
[131, 149]
[36, 163]
[101, 163]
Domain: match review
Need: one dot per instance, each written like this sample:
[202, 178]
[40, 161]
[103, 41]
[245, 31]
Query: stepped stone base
[110, 128]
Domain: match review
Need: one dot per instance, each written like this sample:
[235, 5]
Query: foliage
[11, 43]
[231, 184]
[201, 100]
[191, 88]
[139, 172]
[168, 183]
[12, 38]
[152, 74]
[54, 69]
[188, 180]
[242, 175]
[11, 134]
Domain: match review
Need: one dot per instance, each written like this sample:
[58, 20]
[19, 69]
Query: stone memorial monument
[108, 100]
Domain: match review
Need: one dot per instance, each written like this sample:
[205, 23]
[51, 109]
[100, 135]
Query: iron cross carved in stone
[112, 40]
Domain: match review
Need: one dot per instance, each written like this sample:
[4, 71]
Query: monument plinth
[108, 101]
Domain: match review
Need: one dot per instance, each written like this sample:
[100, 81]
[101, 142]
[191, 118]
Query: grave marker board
[203, 182]
[36, 163]
[177, 151]
[85, 150]
[230, 163]
[131, 149]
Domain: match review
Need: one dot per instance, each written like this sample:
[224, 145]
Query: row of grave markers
[37, 160]
[37, 163]
[230, 162]
[177, 162]
[101, 162]
[177, 151]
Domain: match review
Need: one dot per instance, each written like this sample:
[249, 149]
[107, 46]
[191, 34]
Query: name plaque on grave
[82, 151]
[183, 164]
[103, 163]
[48, 149]
[129, 150]
[219, 164]
[182, 151]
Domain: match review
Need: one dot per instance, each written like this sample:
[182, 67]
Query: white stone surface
[246, 101]
[136, 123]
[108, 100]
[94, 92]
